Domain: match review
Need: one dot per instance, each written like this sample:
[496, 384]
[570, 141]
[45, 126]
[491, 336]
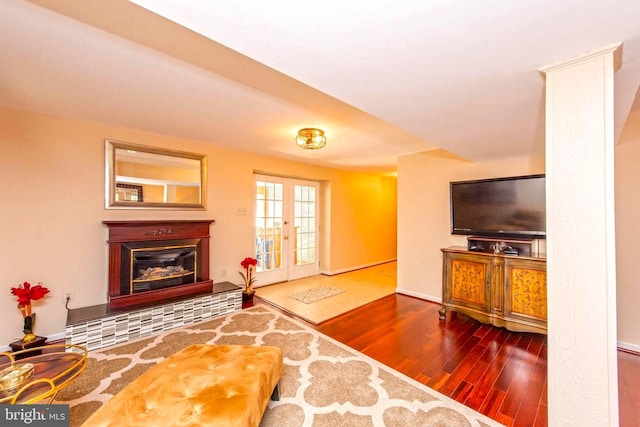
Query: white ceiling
[382, 78]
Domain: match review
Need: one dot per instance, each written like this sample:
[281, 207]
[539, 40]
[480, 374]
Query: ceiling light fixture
[311, 138]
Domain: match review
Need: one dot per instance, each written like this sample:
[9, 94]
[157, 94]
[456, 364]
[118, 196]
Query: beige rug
[324, 382]
[360, 287]
[312, 295]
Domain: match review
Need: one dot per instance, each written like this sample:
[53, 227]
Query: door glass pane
[305, 237]
[268, 225]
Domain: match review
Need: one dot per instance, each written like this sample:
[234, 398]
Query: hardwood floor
[629, 392]
[499, 373]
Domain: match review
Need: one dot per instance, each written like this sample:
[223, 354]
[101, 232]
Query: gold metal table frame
[54, 369]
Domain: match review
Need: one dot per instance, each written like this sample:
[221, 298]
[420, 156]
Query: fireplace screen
[162, 267]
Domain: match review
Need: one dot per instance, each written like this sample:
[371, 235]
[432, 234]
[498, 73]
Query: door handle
[285, 237]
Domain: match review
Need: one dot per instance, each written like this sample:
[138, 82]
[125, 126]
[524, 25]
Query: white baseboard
[358, 267]
[56, 337]
[634, 348]
[418, 295]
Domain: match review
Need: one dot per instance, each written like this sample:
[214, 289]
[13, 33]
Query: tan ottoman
[201, 385]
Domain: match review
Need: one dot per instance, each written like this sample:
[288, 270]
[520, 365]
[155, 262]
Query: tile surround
[117, 328]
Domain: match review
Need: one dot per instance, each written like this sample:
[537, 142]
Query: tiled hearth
[98, 326]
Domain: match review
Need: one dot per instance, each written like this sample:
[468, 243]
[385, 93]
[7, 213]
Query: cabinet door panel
[527, 291]
[468, 282]
[468, 277]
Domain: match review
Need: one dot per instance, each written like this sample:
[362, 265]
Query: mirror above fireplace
[139, 177]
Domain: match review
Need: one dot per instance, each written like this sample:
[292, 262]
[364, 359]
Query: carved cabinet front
[502, 290]
[526, 289]
[469, 280]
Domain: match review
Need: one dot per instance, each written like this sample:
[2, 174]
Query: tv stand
[499, 289]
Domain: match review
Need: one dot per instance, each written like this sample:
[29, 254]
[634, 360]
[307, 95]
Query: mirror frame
[110, 178]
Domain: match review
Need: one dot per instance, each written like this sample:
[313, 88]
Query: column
[582, 359]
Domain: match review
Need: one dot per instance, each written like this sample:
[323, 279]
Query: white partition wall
[582, 360]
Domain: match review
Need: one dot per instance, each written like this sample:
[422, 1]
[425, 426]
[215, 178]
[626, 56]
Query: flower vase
[29, 322]
[247, 298]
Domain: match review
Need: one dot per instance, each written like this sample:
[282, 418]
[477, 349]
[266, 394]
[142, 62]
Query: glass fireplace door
[162, 267]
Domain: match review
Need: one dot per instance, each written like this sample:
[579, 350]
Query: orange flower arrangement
[27, 293]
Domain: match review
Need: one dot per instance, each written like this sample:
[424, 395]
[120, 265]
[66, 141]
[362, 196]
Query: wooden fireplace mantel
[129, 231]
[123, 232]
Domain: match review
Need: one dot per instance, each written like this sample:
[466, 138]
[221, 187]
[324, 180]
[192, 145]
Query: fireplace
[154, 261]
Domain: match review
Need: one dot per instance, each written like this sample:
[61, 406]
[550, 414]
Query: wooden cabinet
[507, 291]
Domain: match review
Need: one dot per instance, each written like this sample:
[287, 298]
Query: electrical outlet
[224, 272]
[68, 297]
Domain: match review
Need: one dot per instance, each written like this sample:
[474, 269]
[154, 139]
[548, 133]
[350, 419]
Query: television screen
[513, 207]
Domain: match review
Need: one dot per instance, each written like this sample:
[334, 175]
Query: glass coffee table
[38, 378]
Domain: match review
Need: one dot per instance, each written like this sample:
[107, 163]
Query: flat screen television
[509, 207]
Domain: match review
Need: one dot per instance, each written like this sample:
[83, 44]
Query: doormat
[316, 294]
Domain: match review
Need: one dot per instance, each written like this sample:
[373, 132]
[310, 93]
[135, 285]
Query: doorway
[287, 228]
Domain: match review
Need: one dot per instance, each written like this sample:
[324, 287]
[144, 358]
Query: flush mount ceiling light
[311, 139]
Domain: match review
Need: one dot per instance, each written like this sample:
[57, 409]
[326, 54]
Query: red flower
[248, 264]
[26, 293]
[248, 261]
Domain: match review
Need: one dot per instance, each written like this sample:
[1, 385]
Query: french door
[286, 229]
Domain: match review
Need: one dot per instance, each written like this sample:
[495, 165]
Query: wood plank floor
[499, 373]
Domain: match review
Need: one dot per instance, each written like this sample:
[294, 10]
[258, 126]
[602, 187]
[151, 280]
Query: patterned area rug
[324, 382]
[310, 296]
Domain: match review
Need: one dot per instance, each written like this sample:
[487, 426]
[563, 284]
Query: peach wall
[369, 218]
[52, 171]
[423, 213]
[627, 237]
